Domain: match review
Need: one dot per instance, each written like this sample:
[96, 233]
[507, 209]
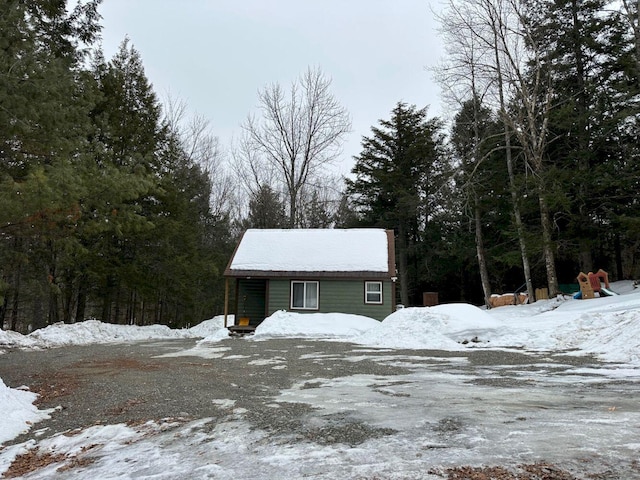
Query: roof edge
[391, 253]
[299, 274]
[227, 271]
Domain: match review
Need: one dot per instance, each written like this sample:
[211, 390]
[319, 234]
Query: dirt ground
[133, 383]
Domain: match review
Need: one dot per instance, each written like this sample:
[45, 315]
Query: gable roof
[319, 252]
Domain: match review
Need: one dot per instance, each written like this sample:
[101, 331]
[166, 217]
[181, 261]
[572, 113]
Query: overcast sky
[216, 54]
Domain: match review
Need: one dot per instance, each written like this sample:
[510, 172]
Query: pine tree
[43, 131]
[397, 178]
[128, 139]
[266, 210]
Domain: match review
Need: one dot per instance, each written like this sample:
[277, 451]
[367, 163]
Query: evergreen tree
[588, 57]
[266, 210]
[128, 140]
[45, 98]
[397, 180]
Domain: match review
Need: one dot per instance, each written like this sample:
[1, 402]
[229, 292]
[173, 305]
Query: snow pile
[94, 331]
[443, 327]
[607, 327]
[614, 337]
[9, 338]
[18, 412]
[212, 330]
[314, 325]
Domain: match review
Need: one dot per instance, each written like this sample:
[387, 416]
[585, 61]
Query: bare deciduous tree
[201, 147]
[462, 81]
[297, 134]
[508, 61]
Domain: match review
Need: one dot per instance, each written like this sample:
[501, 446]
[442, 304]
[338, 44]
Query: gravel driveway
[314, 382]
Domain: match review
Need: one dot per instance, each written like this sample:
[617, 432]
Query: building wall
[344, 296]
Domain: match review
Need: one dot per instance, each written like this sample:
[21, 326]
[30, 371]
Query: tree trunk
[116, 312]
[15, 297]
[293, 209]
[508, 155]
[482, 260]
[583, 138]
[517, 217]
[618, 249]
[586, 259]
[106, 304]
[403, 273]
[54, 316]
[547, 246]
[82, 300]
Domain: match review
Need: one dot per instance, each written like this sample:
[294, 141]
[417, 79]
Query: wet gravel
[133, 383]
[136, 382]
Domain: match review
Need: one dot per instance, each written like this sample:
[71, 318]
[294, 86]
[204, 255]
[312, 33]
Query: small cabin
[311, 271]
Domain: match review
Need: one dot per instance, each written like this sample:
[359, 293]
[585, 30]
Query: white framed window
[373, 293]
[304, 295]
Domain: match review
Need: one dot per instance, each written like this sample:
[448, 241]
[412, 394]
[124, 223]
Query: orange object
[596, 278]
[592, 282]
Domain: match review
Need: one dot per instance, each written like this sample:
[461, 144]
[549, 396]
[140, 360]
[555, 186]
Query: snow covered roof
[278, 252]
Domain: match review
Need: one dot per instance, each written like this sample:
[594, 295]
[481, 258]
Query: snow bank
[314, 325]
[18, 412]
[608, 327]
[94, 331]
[9, 338]
[443, 327]
[212, 329]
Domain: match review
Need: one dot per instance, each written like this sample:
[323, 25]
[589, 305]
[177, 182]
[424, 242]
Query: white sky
[217, 54]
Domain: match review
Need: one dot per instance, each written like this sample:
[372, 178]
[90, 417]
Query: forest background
[118, 206]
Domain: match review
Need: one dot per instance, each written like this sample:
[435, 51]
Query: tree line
[105, 196]
[118, 206]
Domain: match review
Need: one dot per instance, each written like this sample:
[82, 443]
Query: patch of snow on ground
[18, 412]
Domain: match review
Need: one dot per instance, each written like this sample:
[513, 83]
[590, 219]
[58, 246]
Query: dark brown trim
[266, 299]
[236, 302]
[227, 271]
[308, 275]
[226, 301]
[393, 296]
[391, 253]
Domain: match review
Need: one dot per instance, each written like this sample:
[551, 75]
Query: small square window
[304, 295]
[373, 292]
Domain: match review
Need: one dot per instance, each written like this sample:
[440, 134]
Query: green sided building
[311, 271]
